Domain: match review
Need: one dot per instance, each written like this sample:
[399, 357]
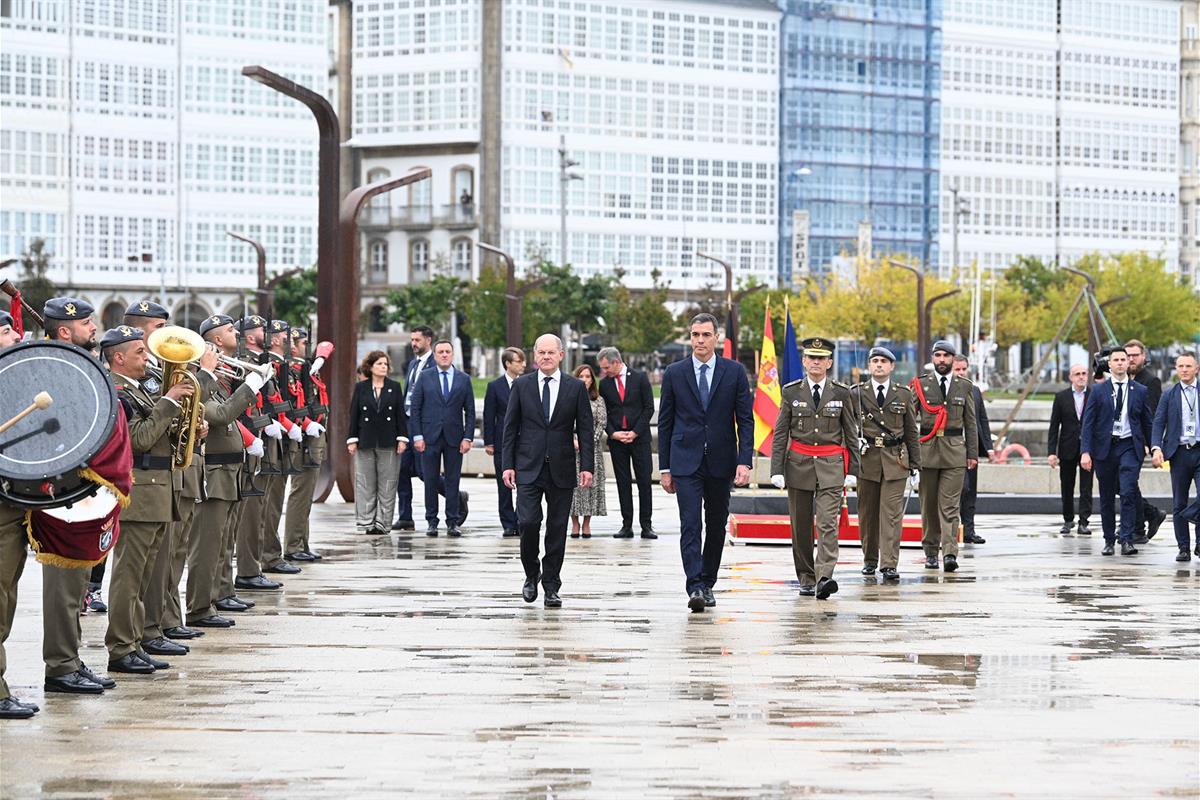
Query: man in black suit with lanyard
[549, 415]
[1066, 415]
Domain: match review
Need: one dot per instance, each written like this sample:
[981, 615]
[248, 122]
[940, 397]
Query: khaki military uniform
[214, 532]
[814, 483]
[300, 497]
[162, 599]
[13, 553]
[890, 451]
[276, 489]
[944, 459]
[144, 522]
[249, 512]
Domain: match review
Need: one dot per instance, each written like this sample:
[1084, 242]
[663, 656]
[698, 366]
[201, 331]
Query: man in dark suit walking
[971, 480]
[705, 440]
[629, 401]
[495, 406]
[1176, 438]
[421, 340]
[1114, 439]
[549, 416]
[1147, 512]
[443, 428]
[1065, 417]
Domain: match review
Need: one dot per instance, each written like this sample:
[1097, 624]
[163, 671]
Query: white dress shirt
[1189, 407]
[1121, 428]
[555, 385]
[875, 387]
[819, 386]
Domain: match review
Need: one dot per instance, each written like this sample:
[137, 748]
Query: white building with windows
[1189, 142]
[1060, 128]
[128, 129]
[670, 109]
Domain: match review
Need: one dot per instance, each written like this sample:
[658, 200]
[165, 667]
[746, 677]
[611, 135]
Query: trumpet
[239, 369]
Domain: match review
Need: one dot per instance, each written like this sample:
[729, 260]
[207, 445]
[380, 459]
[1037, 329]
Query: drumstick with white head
[41, 401]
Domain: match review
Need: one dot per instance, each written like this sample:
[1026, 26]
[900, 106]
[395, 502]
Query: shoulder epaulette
[793, 383]
[839, 383]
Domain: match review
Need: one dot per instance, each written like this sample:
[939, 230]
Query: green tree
[564, 297]
[35, 287]
[296, 298]
[640, 322]
[1033, 277]
[485, 312]
[428, 303]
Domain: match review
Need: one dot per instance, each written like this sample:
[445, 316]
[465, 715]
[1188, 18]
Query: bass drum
[41, 455]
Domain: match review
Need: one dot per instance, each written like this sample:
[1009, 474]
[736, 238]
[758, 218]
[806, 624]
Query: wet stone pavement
[409, 666]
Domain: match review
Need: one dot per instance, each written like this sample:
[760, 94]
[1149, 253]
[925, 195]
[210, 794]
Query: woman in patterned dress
[588, 503]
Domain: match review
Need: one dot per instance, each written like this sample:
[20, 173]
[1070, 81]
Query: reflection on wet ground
[408, 666]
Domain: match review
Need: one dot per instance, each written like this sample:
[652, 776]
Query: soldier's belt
[815, 450]
[942, 432]
[224, 458]
[152, 463]
[887, 440]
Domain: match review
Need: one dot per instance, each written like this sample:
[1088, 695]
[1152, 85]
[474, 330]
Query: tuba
[175, 348]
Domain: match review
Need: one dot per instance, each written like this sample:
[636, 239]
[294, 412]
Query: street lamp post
[514, 297]
[922, 328]
[264, 298]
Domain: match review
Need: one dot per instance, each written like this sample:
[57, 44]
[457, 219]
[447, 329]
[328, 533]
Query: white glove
[850, 482]
[777, 481]
[914, 480]
[295, 434]
[314, 429]
[273, 430]
[255, 448]
[254, 381]
[318, 362]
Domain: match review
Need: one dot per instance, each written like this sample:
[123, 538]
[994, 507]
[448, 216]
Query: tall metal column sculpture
[264, 303]
[337, 293]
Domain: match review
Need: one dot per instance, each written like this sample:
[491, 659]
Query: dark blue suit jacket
[495, 404]
[438, 420]
[1168, 422]
[1095, 435]
[686, 431]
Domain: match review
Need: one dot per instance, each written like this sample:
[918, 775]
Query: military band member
[310, 393]
[213, 531]
[890, 455]
[8, 331]
[290, 457]
[815, 454]
[949, 439]
[153, 500]
[68, 319]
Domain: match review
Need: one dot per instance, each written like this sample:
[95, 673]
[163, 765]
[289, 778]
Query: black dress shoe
[1083, 529]
[404, 525]
[299, 555]
[11, 709]
[709, 600]
[236, 599]
[1140, 538]
[624, 533]
[1066, 529]
[695, 600]
[648, 533]
[575, 535]
[1152, 525]
[317, 556]
[454, 531]
[511, 532]
[868, 569]
[131, 664]
[228, 604]
[151, 660]
[808, 591]
[587, 535]
[283, 568]
[1107, 550]
[890, 574]
[258, 583]
[104, 681]
[73, 683]
[164, 647]
[972, 538]
[950, 563]
[1127, 549]
[431, 530]
[529, 591]
[1184, 555]
[182, 632]
[552, 600]
[931, 562]
[826, 587]
[464, 506]
[214, 621]
[34, 707]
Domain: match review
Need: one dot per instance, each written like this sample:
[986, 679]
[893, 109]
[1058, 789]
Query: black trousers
[632, 463]
[1068, 469]
[504, 496]
[966, 502]
[529, 512]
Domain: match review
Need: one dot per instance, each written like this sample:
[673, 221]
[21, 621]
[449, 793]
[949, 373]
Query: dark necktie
[445, 386]
[546, 397]
[879, 396]
[704, 386]
[944, 398]
[816, 393]
[1120, 401]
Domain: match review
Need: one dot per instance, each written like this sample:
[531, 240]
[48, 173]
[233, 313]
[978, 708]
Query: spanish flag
[767, 396]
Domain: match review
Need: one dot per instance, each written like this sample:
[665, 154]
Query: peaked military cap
[945, 347]
[882, 352]
[215, 321]
[147, 308]
[5, 319]
[278, 326]
[120, 335]
[67, 308]
[250, 323]
[299, 333]
[817, 347]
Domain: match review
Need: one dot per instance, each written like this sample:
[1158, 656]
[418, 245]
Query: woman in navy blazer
[378, 435]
